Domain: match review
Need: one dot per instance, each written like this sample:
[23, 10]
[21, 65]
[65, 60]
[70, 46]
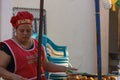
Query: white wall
[5, 15]
[72, 23]
[26, 3]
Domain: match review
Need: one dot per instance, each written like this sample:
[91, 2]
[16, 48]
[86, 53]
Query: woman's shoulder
[5, 48]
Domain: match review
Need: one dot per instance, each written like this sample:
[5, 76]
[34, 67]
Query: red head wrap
[23, 17]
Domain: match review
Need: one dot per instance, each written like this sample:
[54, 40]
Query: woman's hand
[70, 70]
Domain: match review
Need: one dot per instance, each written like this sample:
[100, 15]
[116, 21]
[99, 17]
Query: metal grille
[36, 14]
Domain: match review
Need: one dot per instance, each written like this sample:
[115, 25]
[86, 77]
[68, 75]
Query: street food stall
[86, 76]
[77, 75]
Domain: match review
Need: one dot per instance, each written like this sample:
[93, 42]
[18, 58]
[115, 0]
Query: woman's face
[24, 32]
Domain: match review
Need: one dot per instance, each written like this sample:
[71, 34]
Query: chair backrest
[54, 50]
[55, 53]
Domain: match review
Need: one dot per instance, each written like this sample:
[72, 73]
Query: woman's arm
[4, 61]
[51, 67]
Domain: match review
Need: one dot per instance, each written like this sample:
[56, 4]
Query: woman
[18, 55]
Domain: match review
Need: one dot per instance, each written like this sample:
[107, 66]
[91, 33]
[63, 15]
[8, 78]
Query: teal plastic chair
[56, 54]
